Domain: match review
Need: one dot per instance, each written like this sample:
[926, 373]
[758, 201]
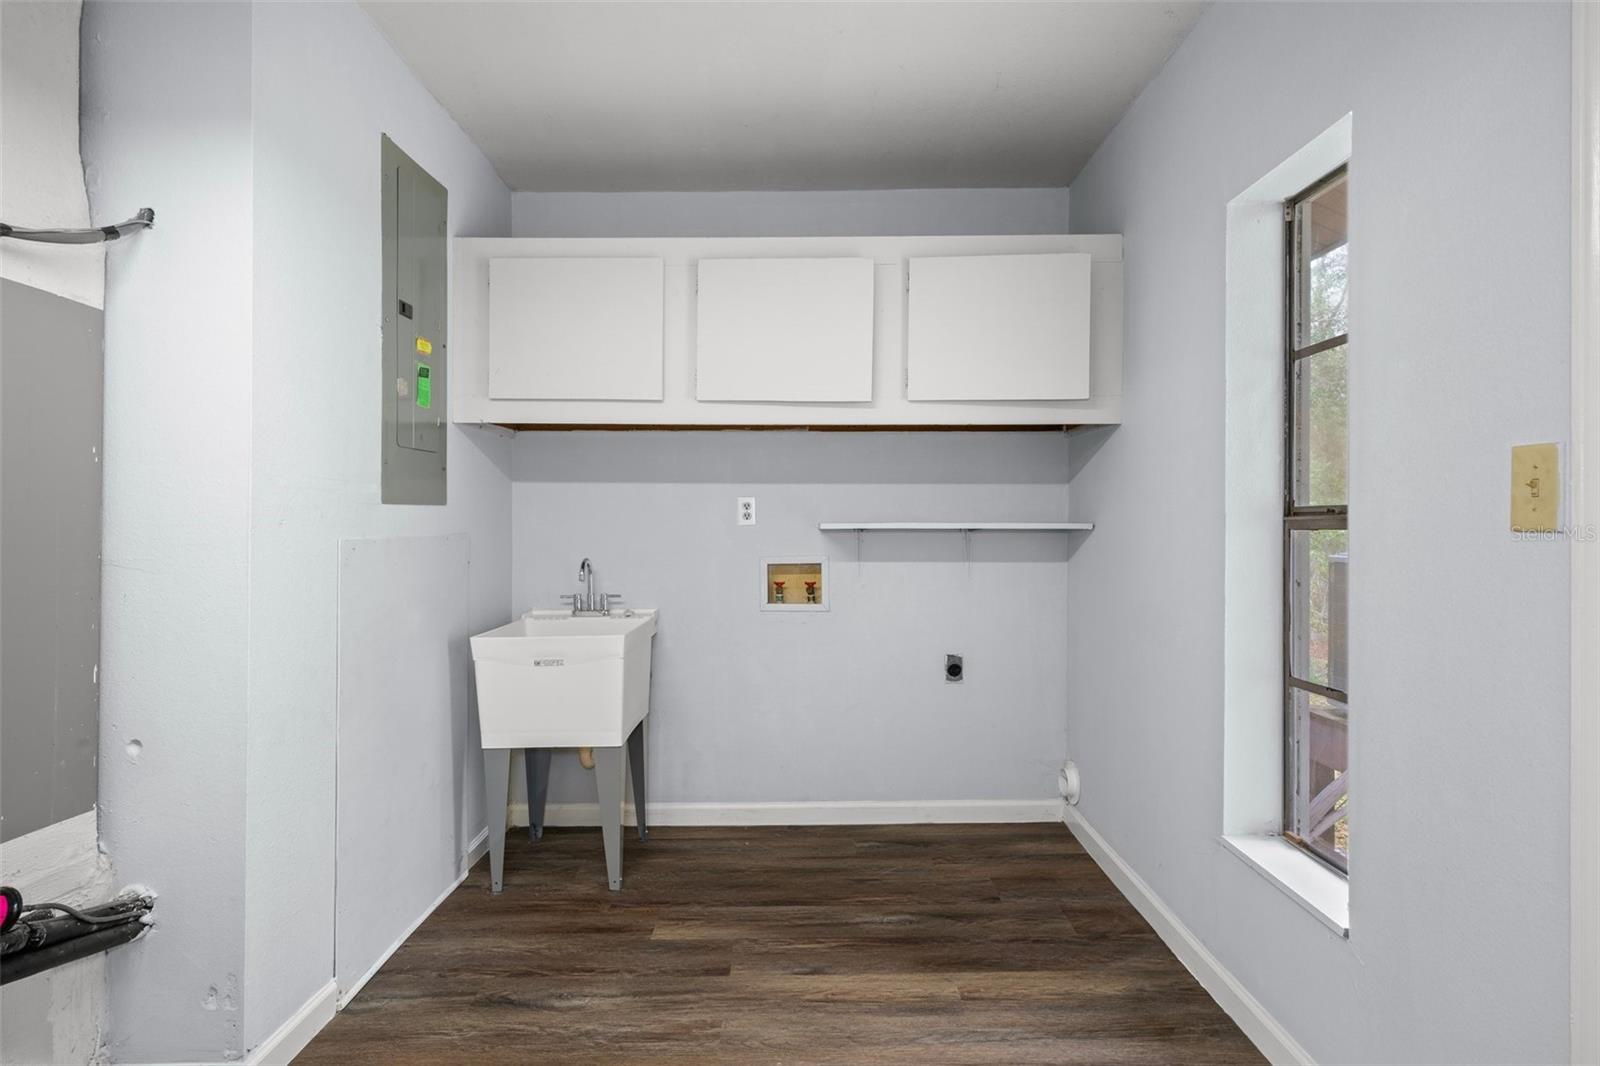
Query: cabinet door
[998, 327]
[784, 330]
[575, 329]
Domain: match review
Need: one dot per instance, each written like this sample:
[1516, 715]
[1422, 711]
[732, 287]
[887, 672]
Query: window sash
[1319, 347]
[1291, 525]
[1299, 517]
[1297, 295]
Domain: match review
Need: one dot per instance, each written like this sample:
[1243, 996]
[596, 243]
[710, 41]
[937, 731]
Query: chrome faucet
[588, 602]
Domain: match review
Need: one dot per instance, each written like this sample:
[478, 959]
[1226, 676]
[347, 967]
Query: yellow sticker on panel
[424, 346]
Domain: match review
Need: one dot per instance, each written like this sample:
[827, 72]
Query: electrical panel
[415, 286]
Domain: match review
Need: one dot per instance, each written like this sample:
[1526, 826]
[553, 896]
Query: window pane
[1322, 780]
[1321, 428]
[1319, 563]
[1322, 252]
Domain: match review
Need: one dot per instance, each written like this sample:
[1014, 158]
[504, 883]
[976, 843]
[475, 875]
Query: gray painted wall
[871, 212]
[850, 704]
[50, 433]
[1459, 631]
[862, 711]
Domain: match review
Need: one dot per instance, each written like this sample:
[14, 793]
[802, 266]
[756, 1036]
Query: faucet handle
[607, 599]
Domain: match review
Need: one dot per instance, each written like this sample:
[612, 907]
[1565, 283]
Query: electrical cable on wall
[42, 936]
[91, 235]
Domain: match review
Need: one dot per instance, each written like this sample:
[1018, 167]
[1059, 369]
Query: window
[1316, 522]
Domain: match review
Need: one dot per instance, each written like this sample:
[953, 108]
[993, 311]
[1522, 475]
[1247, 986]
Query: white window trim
[1316, 886]
[1584, 499]
[1253, 535]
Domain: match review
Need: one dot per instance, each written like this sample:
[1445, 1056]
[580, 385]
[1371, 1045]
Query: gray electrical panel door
[415, 265]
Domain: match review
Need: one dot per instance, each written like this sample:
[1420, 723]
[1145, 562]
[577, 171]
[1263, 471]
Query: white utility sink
[553, 679]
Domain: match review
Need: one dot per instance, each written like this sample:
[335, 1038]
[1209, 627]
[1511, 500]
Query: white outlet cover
[747, 510]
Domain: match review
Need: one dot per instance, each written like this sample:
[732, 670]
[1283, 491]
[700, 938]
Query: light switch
[747, 510]
[1535, 487]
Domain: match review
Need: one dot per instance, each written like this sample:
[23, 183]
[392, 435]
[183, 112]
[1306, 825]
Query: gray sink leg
[608, 774]
[496, 782]
[536, 764]
[636, 769]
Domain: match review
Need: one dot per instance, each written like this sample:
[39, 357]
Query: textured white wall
[850, 704]
[314, 476]
[868, 212]
[59, 1015]
[243, 352]
[166, 103]
[41, 174]
[1458, 666]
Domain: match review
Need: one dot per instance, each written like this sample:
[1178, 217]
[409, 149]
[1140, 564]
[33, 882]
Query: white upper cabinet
[869, 332]
[784, 330]
[998, 327]
[575, 329]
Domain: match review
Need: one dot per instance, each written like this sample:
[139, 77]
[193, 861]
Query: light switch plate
[747, 510]
[1535, 488]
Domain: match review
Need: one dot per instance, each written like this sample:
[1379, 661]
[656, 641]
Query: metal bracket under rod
[93, 235]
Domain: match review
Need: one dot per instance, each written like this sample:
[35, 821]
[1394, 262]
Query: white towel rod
[953, 527]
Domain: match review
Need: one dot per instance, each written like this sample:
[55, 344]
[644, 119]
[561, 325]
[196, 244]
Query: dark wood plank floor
[874, 944]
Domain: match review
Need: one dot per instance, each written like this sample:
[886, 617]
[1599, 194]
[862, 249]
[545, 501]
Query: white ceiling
[610, 97]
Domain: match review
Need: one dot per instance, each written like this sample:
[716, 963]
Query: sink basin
[552, 679]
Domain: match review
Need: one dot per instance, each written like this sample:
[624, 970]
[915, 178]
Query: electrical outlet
[747, 510]
[1535, 488]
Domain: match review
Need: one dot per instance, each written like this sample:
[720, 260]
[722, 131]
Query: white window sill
[1303, 879]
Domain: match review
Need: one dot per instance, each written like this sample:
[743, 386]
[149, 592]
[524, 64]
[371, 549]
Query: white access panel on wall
[784, 330]
[575, 329]
[407, 756]
[998, 327]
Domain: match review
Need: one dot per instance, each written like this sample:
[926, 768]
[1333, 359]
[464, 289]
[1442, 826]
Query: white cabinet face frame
[575, 329]
[784, 330]
[998, 327]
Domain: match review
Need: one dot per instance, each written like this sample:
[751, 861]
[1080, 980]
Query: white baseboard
[1272, 1039]
[848, 812]
[475, 851]
[293, 1035]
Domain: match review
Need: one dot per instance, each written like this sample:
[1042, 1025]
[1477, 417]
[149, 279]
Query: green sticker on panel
[424, 386]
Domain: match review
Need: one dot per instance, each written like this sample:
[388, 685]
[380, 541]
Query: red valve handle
[10, 907]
